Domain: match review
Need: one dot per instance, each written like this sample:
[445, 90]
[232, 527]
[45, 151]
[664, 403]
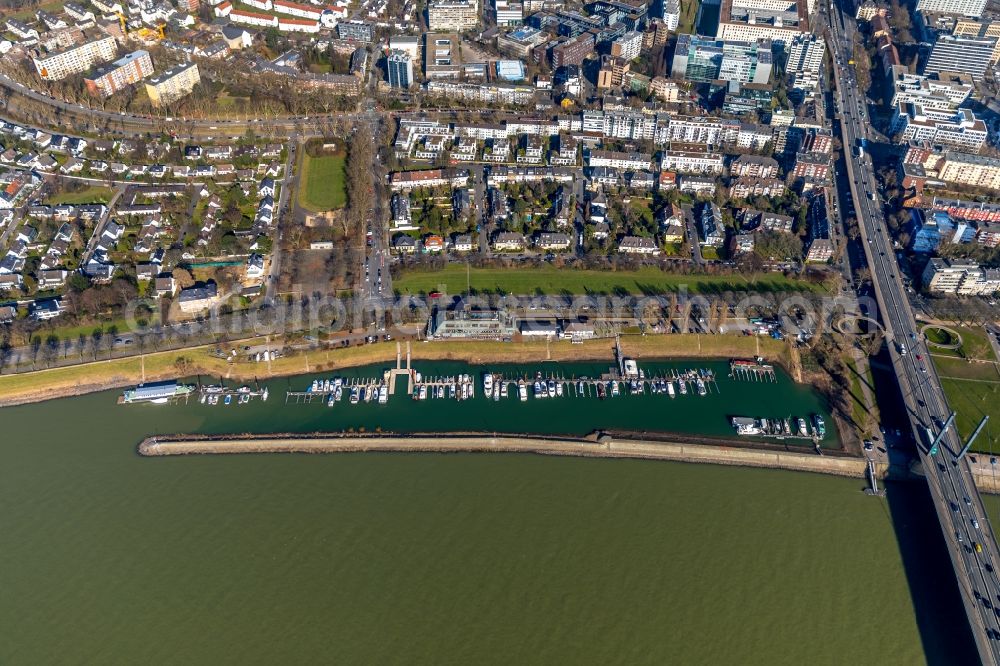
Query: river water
[106, 557]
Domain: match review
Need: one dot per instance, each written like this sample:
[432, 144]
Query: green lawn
[321, 184]
[971, 400]
[972, 389]
[94, 194]
[28, 14]
[975, 344]
[556, 281]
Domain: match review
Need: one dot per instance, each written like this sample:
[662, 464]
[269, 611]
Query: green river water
[109, 558]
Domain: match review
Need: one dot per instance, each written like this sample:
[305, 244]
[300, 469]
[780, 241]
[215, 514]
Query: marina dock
[755, 370]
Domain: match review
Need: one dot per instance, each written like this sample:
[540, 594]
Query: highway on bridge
[971, 542]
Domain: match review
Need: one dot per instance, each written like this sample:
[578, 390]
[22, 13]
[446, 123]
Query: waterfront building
[472, 325]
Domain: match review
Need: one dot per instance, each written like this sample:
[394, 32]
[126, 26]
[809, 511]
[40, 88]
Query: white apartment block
[805, 60]
[960, 277]
[961, 130]
[58, 65]
[507, 13]
[172, 84]
[689, 129]
[452, 15]
[974, 170]
[691, 162]
[964, 7]
[931, 92]
[619, 160]
[749, 20]
[490, 93]
[628, 46]
[298, 10]
[671, 14]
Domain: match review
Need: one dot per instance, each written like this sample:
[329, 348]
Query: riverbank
[603, 447]
[84, 378]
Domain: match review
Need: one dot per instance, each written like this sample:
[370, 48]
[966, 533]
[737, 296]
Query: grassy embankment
[321, 185]
[971, 381]
[57, 382]
[549, 280]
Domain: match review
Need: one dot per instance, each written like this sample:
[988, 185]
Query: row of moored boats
[788, 427]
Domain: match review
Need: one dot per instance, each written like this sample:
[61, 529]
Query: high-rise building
[173, 84]
[702, 59]
[969, 55]
[400, 67]
[628, 46]
[109, 79]
[982, 28]
[452, 15]
[750, 20]
[508, 14]
[964, 7]
[56, 65]
[805, 61]
[671, 13]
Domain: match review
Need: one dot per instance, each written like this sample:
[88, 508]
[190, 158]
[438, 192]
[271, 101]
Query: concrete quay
[605, 448]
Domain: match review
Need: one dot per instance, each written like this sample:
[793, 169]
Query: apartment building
[963, 7]
[952, 53]
[960, 278]
[108, 79]
[691, 162]
[944, 91]
[172, 84]
[489, 93]
[974, 170]
[805, 61]
[961, 130]
[452, 15]
[619, 160]
[754, 166]
[57, 65]
[749, 20]
[399, 65]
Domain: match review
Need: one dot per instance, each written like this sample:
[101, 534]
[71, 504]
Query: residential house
[638, 245]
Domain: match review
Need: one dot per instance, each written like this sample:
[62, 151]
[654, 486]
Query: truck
[862, 144]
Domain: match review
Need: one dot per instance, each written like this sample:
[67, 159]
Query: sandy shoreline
[606, 447]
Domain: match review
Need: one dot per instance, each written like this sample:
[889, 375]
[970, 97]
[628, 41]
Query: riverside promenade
[603, 447]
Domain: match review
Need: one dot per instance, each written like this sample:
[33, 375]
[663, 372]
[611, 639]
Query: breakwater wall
[603, 447]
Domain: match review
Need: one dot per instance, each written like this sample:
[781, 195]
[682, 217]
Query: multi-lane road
[963, 519]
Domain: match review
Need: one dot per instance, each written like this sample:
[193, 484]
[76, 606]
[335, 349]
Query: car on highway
[975, 523]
